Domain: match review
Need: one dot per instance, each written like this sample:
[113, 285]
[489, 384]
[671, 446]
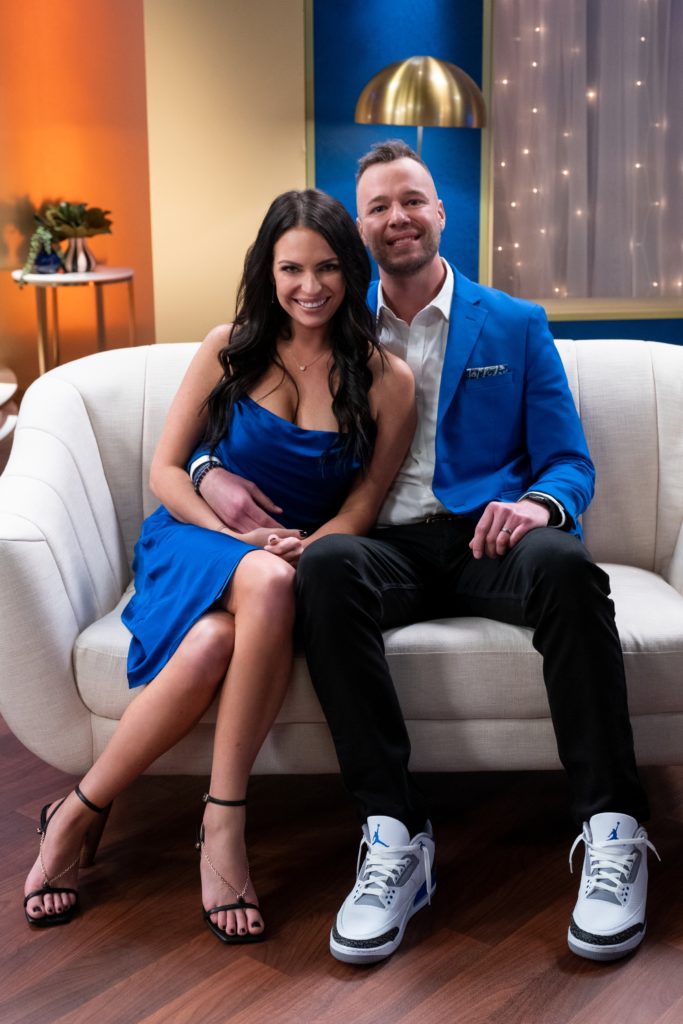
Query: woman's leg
[261, 597]
[160, 715]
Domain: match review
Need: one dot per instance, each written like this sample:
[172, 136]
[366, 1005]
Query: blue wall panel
[353, 40]
[650, 330]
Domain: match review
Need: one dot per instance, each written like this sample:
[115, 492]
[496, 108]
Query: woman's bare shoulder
[218, 337]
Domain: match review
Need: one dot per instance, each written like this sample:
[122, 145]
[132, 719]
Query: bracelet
[201, 473]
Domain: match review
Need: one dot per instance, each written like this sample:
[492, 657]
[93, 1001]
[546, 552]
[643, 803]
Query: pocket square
[477, 372]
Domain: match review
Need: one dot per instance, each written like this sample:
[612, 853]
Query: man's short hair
[386, 153]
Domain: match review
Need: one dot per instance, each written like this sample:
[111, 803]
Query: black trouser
[351, 588]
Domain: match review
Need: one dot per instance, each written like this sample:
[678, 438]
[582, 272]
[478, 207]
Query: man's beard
[406, 266]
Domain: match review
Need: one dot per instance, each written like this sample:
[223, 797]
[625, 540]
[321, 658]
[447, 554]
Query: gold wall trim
[486, 177]
[309, 82]
[612, 309]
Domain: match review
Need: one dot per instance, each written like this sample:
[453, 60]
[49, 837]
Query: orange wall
[73, 125]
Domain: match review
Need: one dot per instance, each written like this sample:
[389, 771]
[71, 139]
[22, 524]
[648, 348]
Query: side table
[97, 278]
[8, 413]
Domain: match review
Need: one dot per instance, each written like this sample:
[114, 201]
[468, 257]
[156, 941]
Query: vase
[78, 259]
[47, 263]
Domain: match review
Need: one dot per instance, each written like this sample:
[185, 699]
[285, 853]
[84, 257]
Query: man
[483, 519]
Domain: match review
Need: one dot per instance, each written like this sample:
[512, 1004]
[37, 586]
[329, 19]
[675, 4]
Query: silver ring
[504, 529]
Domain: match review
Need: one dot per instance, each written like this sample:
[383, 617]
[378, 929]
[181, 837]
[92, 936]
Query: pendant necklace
[304, 366]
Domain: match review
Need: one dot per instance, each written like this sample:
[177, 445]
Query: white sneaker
[394, 882]
[609, 917]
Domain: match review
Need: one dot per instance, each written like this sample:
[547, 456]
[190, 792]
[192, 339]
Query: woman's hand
[285, 544]
[289, 548]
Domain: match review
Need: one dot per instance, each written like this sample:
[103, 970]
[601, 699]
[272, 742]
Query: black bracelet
[202, 471]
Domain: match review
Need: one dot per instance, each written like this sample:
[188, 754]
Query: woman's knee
[209, 646]
[266, 581]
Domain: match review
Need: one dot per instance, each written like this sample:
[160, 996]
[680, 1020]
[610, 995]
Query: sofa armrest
[38, 628]
[63, 566]
[675, 574]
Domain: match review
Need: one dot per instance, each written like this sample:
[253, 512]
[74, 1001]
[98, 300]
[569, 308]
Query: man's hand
[237, 502]
[503, 524]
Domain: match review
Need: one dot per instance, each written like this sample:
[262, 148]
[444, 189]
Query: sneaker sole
[356, 955]
[591, 951]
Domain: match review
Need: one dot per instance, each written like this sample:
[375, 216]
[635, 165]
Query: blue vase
[47, 263]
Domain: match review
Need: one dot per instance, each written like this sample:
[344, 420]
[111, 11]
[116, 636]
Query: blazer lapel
[467, 320]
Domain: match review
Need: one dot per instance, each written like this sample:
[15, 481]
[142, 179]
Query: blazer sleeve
[560, 462]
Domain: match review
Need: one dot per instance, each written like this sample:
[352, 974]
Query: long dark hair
[261, 320]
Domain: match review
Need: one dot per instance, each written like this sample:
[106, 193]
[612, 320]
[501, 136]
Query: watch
[558, 515]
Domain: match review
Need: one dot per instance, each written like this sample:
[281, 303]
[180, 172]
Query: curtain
[588, 148]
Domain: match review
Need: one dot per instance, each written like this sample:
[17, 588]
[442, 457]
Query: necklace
[304, 366]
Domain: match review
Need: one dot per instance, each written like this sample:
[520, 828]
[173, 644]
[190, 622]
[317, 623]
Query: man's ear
[359, 225]
[440, 209]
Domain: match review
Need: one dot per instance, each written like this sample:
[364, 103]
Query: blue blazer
[507, 422]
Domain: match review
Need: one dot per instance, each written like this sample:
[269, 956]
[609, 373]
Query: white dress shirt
[422, 344]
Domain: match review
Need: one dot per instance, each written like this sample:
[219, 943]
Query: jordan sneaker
[395, 880]
[609, 917]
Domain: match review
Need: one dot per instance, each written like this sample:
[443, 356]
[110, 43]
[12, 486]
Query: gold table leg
[41, 311]
[132, 339]
[55, 329]
[99, 307]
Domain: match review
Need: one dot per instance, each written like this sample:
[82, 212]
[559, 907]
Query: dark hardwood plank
[491, 948]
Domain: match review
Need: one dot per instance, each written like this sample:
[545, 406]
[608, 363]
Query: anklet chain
[239, 895]
[46, 878]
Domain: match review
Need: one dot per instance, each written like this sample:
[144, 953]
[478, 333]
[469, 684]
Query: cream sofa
[74, 494]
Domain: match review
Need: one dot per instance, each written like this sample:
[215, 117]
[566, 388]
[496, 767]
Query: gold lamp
[422, 91]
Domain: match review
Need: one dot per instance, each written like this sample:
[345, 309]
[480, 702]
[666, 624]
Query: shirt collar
[442, 301]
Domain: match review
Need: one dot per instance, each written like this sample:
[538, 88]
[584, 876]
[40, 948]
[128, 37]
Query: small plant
[42, 241]
[74, 220]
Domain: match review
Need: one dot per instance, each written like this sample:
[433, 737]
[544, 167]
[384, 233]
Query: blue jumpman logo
[613, 833]
[376, 839]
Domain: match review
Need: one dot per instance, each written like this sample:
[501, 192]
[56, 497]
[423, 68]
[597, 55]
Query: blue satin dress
[182, 570]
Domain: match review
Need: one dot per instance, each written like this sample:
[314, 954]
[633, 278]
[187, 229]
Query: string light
[530, 56]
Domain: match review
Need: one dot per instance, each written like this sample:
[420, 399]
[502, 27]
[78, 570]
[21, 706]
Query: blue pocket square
[477, 372]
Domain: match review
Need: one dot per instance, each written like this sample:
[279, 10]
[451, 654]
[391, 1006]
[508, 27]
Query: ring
[504, 529]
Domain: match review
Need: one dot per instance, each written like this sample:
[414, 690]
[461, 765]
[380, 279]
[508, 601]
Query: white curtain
[588, 148]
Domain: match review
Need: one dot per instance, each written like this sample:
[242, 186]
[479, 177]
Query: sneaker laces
[607, 867]
[382, 870]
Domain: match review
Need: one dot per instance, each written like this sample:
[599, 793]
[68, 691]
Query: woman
[301, 401]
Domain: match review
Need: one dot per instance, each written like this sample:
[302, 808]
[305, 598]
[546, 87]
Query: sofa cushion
[449, 669]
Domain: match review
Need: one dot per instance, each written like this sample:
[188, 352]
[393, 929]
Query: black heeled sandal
[241, 903]
[85, 858]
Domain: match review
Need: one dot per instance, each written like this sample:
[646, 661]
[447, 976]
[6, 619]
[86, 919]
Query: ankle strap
[208, 799]
[89, 803]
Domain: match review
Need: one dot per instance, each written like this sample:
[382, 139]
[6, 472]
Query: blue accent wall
[353, 40]
[649, 330]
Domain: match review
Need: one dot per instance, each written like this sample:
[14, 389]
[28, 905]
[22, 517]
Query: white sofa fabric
[75, 492]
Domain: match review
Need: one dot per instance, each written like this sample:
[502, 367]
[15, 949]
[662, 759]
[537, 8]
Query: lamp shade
[422, 91]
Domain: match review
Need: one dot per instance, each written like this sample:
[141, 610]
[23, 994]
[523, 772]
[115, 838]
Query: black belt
[441, 517]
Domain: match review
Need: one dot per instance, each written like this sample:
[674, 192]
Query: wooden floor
[492, 948]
